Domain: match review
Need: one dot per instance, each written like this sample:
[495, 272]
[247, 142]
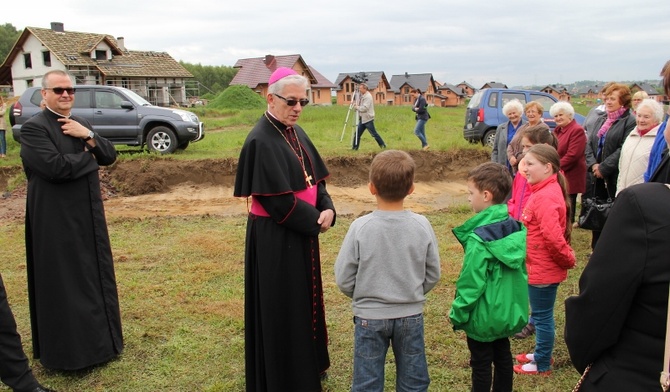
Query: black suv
[122, 117]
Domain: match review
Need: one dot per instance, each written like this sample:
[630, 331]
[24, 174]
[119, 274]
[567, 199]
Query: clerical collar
[58, 114]
[273, 116]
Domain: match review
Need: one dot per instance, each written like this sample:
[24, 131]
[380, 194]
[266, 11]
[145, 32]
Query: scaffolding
[159, 91]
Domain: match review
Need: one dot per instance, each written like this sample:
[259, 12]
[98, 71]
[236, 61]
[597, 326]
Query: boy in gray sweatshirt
[388, 261]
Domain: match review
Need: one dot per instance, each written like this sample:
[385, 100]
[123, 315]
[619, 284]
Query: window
[101, 55]
[506, 97]
[27, 61]
[546, 102]
[107, 100]
[29, 83]
[46, 58]
[83, 98]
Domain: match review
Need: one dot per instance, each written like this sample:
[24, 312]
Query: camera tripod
[355, 100]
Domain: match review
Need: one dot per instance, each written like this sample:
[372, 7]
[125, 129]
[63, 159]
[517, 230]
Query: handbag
[595, 210]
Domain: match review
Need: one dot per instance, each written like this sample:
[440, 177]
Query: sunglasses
[61, 90]
[293, 102]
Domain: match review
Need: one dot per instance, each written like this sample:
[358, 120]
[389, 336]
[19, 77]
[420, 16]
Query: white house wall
[21, 75]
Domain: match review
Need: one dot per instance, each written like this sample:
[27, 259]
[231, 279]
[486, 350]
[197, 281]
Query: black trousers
[14, 367]
[482, 355]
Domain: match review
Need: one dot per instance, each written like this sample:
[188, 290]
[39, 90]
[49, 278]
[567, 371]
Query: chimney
[57, 27]
[406, 75]
[121, 42]
[269, 60]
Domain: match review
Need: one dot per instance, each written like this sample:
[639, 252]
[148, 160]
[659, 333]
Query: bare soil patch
[173, 188]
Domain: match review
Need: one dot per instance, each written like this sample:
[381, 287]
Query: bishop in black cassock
[285, 326]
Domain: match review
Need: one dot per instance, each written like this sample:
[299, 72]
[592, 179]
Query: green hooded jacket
[492, 290]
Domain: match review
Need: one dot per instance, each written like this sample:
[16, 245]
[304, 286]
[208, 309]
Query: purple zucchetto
[280, 73]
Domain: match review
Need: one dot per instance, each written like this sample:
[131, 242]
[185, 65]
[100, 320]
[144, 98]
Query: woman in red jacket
[549, 254]
[571, 147]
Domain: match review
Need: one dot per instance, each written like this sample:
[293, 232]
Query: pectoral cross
[308, 178]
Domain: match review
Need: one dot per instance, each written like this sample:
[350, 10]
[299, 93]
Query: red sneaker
[530, 368]
[527, 358]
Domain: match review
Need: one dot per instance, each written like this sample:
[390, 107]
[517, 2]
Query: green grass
[181, 290]
[225, 130]
[181, 285]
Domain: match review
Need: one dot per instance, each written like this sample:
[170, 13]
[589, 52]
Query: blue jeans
[370, 126]
[3, 141]
[420, 131]
[371, 342]
[542, 301]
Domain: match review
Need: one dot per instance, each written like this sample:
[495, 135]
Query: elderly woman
[637, 146]
[571, 147]
[638, 97]
[506, 131]
[533, 112]
[603, 147]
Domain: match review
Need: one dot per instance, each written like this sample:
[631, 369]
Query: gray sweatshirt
[388, 261]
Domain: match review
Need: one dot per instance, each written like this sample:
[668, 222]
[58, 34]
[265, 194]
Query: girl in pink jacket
[549, 255]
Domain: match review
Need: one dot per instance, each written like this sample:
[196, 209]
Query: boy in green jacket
[491, 301]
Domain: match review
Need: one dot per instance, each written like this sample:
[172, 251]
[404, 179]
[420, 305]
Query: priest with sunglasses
[281, 171]
[74, 307]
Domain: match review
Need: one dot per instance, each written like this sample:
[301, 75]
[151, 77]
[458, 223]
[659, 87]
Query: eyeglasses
[61, 90]
[293, 102]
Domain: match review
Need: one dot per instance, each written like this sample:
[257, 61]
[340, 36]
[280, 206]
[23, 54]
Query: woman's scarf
[611, 118]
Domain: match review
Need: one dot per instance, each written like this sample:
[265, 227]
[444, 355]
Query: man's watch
[90, 136]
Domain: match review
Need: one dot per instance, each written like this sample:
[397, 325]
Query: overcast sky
[510, 41]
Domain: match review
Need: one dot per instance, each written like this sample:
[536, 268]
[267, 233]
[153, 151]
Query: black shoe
[382, 146]
[40, 388]
[354, 148]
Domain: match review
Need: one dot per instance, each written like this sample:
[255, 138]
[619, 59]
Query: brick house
[467, 88]
[590, 93]
[255, 72]
[559, 92]
[377, 83]
[401, 85]
[494, 85]
[451, 95]
[95, 59]
[649, 89]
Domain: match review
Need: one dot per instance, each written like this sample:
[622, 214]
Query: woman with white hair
[638, 97]
[571, 146]
[506, 131]
[637, 146]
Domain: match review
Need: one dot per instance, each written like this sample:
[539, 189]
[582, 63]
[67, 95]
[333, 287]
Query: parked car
[122, 117]
[484, 112]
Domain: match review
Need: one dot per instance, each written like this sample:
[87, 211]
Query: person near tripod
[421, 117]
[366, 113]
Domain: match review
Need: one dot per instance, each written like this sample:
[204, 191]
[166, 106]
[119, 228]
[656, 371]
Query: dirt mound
[174, 187]
[134, 178]
[238, 97]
